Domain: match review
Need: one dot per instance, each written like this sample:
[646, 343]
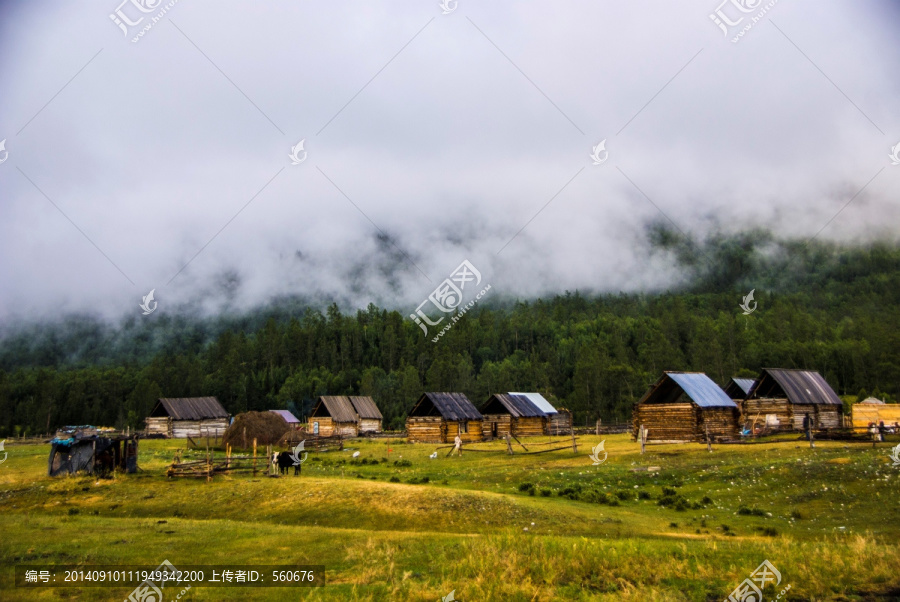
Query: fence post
[708, 442]
[643, 437]
[574, 445]
[254, 455]
[509, 448]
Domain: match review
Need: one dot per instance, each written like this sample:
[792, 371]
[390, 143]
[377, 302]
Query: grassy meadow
[397, 525]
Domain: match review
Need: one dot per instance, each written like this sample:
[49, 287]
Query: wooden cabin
[738, 388]
[344, 416]
[292, 421]
[510, 413]
[781, 399]
[874, 410]
[559, 420]
[182, 417]
[439, 417]
[87, 449]
[686, 406]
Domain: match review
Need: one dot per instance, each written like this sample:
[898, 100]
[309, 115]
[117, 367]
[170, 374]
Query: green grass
[488, 525]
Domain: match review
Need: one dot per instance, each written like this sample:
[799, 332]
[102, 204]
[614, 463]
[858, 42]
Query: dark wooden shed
[439, 417]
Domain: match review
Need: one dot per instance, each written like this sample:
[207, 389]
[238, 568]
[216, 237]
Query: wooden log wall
[559, 423]
[158, 426]
[829, 417]
[426, 429]
[723, 423]
[503, 422]
[326, 426]
[472, 432]
[531, 426]
[756, 410]
[667, 422]
[369, 425]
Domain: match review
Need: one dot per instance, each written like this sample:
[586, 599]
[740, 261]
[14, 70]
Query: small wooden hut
[781, 399]
[686, 406]
[738, 388]
[292, 421]
[874, 410]
[511, 413]
[88, 449]
[559, 420]
[439, 417]
[182, 417]
[345, 416]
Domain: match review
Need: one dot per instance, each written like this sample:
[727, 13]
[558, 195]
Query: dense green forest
[820, 306]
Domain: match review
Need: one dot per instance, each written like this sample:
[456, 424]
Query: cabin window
[463, 427]
[315, 428]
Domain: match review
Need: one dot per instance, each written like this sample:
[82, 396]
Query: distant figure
[806, 426]
[881, 431]
[458, 443]
[873, 430]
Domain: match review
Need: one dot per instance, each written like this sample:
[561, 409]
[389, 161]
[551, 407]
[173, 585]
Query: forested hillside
[836, 310]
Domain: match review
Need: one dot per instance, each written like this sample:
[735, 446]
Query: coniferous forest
[835, 309]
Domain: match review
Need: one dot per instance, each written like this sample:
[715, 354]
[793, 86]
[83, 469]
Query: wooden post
[245, 437]
[509, 448]
[254, 454]
[643, 435]
[574, 445]
[708, 442]
[93, 455]
[809, 435]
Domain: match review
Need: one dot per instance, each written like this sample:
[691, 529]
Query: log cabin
[292, 421]
[439, 417]
[738, 388]
[183, 417]
[559, 420]
[514, 414]
[781, 399]
[685, 406]
[345, 416]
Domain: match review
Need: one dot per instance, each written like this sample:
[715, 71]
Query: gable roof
[189, 408]
[366, 408]
[539, 402]
[738, 388]
[799, 386]
[452, 406]
[288, 417]
[516, 405]
[337, 406]
[696, 385]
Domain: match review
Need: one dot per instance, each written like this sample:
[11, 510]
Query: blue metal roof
[540, 403]
[744, 383]
[702, 390]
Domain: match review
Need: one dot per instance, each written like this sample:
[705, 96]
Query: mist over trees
[820, 306]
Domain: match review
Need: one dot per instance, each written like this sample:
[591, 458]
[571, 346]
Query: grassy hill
[488, 525]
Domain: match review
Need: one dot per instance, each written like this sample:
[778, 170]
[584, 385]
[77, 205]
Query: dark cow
[285, 460]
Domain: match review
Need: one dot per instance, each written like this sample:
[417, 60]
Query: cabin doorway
[494, 429]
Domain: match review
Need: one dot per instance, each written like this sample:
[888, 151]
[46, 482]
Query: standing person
[458, 443]
[806, 425]
[881, 431]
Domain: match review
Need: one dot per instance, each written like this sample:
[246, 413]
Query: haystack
[266, 427]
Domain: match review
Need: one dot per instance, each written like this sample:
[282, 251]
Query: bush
[525, 487]
[546, 492]
[644, 495]
[706, 501]
[402, 463]
[668, 491]
[624, 495]
[795, 514]
[768, 531]
[394, 479]
[745, 511]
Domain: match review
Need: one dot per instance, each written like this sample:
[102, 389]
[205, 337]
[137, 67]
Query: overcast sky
[429, 138]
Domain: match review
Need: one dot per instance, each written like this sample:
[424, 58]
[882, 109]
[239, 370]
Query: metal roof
[739, 388]
[540, 403]
[366, 408]
[452, 406]
[516, 405]
[288, 417]
[799, 386]
[695, 385]
[337, 406]
[189, 408]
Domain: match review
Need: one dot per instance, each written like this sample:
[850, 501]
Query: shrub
[624, 495]
[675, 526]
[795, 514]
[769, 531]
[402, 463]
[706, 501]
[745, 511]
[394, 479]
[644, 495]
[668, 491]
[525, 487]
[546, 492]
